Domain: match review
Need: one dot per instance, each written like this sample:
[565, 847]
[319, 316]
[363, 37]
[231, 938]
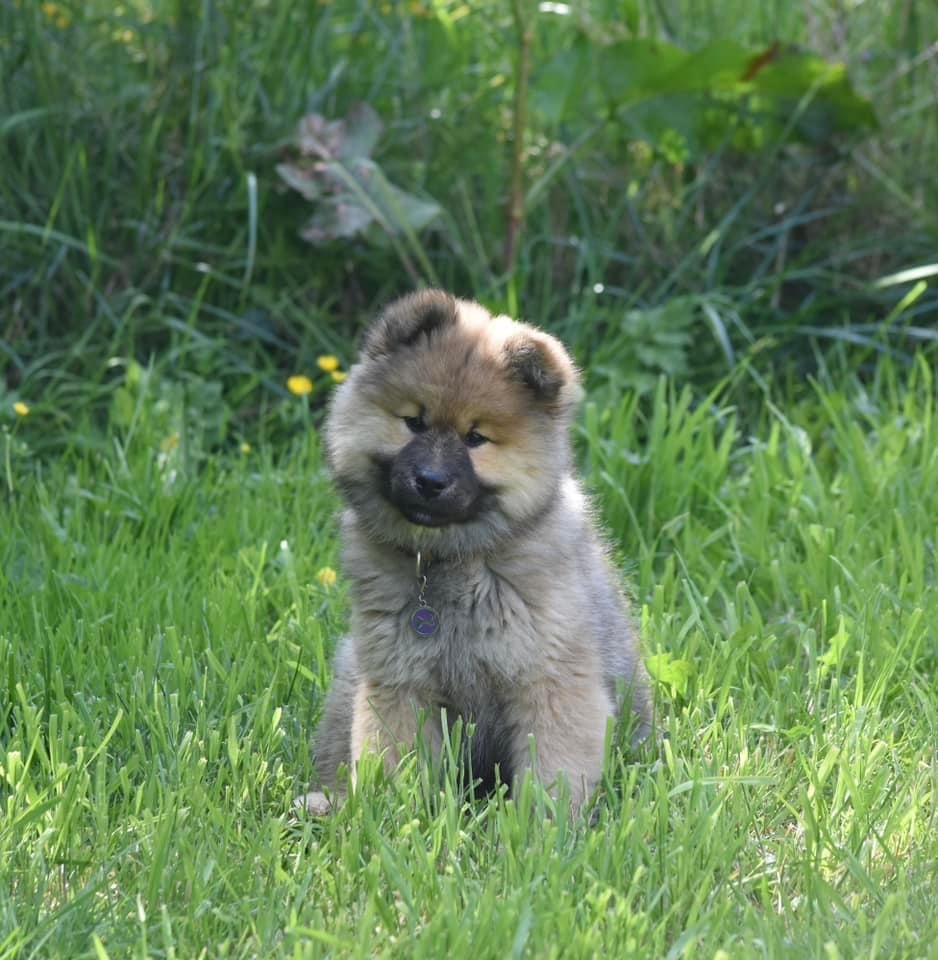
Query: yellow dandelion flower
[21, 409]
[327, 577]
[245, 448]
[339, 376]
[328, 363]
[299, 385]
[56, 14]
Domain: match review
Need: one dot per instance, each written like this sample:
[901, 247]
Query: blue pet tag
[425, 621]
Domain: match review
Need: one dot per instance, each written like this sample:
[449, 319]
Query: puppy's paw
[315, 803]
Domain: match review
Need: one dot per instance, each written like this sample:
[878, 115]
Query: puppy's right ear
[403, 322]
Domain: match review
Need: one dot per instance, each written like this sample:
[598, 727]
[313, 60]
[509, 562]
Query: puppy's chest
[489, 629]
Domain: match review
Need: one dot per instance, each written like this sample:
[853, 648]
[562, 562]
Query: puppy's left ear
[541, 363]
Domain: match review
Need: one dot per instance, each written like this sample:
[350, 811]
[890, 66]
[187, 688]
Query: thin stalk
[524, 29]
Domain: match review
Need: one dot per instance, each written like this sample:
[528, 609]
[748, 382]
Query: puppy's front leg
[386, 720]
[568, 722]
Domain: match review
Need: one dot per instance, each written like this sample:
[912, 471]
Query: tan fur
[384, 721]
[534, 639]
[571, 719]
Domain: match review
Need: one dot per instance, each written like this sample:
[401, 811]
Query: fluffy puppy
[479, 585]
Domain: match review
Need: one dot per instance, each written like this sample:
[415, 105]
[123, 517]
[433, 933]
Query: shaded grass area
[164, 644]
[141, 214]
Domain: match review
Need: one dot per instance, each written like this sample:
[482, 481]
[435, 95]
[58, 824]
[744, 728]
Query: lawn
[164, 641]
[756, 325]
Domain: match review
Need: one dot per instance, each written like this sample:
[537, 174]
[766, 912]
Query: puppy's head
[452, 430]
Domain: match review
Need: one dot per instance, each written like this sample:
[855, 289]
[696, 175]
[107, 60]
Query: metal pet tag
[425, 621]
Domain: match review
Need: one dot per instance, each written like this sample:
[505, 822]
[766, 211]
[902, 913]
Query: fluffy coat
[451, 438]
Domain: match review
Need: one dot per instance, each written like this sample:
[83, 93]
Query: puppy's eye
[474, 439]
[415, 424]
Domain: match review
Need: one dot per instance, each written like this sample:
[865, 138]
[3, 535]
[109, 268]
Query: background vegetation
[142, 214]
[736, 236]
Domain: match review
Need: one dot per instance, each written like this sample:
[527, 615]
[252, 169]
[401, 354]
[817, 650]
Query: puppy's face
[431, 479]
[451, 431]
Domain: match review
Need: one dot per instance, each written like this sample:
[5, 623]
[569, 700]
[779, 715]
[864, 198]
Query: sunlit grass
[164, 643]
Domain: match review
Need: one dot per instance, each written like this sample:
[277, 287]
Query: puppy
[479, 584]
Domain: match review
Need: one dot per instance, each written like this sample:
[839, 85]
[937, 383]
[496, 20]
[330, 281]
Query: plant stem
[524, 27]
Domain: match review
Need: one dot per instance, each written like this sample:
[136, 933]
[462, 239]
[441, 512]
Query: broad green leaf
[631, 70]
[717, 67]
[564, 85]
[684, 102]
[348, 189]
[834, 108]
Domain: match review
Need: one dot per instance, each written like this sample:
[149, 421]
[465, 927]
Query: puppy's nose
[430, 483]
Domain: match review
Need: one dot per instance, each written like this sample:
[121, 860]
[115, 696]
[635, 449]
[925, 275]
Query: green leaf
[717, 67]
[640, 345]
[833, 656]
[834, 107]
[632, 70]
[122, 407]
[565, 85]
[671, 672]
[718, 93]
[349, 190]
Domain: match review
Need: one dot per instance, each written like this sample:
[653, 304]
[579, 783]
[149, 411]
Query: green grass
[164, 646]
[164, 515]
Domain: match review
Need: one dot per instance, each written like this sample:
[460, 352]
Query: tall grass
[164, 643]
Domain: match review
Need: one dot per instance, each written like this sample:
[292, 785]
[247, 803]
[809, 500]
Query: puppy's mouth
[423, 517]
[424, 512]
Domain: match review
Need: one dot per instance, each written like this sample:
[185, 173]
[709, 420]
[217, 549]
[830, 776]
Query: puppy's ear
[403, 322]
[542, 364]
